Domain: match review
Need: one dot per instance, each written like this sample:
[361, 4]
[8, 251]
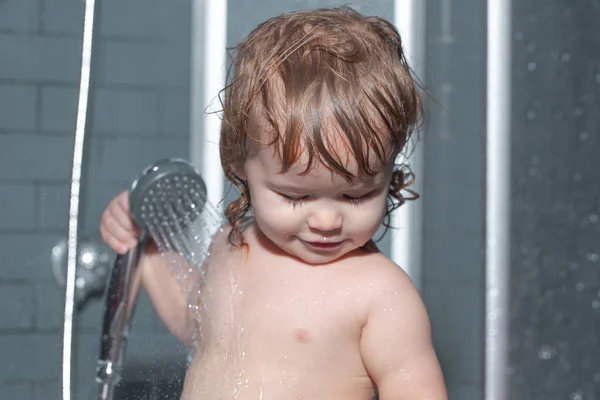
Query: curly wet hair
[302, 69]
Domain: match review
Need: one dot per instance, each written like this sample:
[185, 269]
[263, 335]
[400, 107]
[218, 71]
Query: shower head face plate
[170, 193]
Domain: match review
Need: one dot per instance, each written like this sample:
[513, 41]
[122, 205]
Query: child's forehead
[272, 160]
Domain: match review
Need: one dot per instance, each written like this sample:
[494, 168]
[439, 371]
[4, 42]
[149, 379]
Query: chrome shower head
[169, 192]
[165, 201]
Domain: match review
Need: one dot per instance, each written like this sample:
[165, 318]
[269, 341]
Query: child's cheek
[271, 210]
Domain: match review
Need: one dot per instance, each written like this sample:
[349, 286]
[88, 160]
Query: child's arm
[121, 234]
[166, 293]
[396, 341]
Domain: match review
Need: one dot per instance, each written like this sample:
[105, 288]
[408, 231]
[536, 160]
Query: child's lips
[324, 245]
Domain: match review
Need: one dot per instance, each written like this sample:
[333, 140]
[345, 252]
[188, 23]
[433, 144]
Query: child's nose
[325, 220]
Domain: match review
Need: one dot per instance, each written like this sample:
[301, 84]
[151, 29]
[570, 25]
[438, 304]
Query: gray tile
[124, 159]
[59, 109]
[40, 59]
[17, 391]
[122, 112]
[18, 209]
[17, 107]
[63, 16]
[27, 255]
[21, 15]
[143, 64]
[17, 307]
[31, 356]
[54, 205]
[47, 389]
[50, 305]
[36, 157]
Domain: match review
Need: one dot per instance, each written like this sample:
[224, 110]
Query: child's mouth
[324, 245]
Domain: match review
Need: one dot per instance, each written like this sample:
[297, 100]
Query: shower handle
[121, 298]
[161, 187]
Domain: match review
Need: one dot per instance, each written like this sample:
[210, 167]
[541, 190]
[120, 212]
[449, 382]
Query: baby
[298, 301]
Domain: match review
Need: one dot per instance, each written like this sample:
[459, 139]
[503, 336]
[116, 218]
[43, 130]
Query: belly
[224, 377]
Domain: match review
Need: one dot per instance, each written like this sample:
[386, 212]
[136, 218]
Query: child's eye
[356, 200]
[293, 201]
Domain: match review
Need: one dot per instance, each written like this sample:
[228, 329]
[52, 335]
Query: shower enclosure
[152, 75]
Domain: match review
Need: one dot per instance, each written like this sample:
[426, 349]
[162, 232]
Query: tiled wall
[453, 193]
[139, 114]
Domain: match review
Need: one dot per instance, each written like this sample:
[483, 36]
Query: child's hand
[117, 227]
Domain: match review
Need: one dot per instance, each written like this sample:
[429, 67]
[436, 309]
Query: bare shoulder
[383, 273]
[389, 285]
[220, 243]
[221, 237]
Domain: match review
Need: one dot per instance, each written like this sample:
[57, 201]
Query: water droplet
[598, 78]
[565, 57]
[593, 257]
[573, 266]
[531, 115]
[558, 318]
[519, 35]
[562, 274]
[595, 304]
[583, 136]
[531, 66]
[533, 171]
[580, 286]
[546, 352]
[576, 396]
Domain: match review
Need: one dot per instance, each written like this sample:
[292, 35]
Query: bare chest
[285, 309]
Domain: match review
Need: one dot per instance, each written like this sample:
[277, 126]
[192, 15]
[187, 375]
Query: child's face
[316, 216]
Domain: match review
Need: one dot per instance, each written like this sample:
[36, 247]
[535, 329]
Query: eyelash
[294, 202]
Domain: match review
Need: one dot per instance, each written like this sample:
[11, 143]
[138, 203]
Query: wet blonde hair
[300, 70]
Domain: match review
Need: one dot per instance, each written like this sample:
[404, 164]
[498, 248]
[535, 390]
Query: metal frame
[497, 243]
[406, 244]
[208, 59]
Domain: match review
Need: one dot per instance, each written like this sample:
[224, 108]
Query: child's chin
[318, 258]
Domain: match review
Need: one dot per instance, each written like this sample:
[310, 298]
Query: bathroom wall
[139, 115]
[453, 194]
[555, 290]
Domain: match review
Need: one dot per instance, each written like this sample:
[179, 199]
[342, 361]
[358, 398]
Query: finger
[114, 243]
[122, 200]
[115, 228]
